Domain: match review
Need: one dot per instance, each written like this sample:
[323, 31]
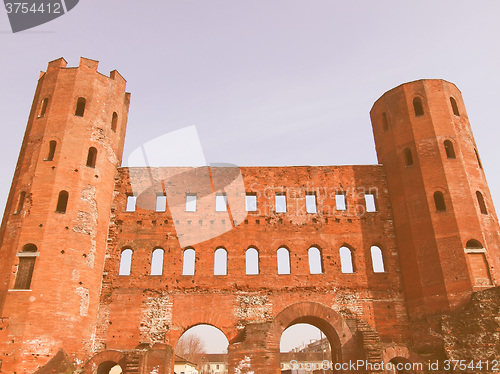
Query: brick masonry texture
[68, 303]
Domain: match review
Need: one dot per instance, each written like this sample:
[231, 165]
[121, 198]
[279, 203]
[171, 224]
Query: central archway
[331, 323]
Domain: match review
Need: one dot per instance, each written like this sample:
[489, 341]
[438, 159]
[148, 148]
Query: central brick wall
[144, 308]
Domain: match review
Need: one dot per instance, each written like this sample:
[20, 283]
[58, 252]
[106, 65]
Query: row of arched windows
[418, 109]
[448, 148]
[252, 261]
[91, 155]
[441, 205]
[81, 102]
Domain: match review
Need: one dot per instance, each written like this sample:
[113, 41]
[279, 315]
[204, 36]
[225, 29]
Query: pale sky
[265, 82]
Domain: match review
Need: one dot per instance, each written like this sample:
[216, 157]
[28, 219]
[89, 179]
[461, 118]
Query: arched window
[439, 201]
[473, 244]
[377, 260]
[157, 262]
[482, 205]
[283, 257]
[418, 106]
[20, 203]
[43, 107]
[478, 159]
[252, 261]
[220, 261]
[408, 157]
[188, 262]
[448, 147]
[26, 266]
[315, 263]
[385, 122]
[92, 157]
[114, 121]
[478, 265]
[80, 107]
[125, 262]
[62, 202]
[346, 260]
[454, 106]
[52, 150]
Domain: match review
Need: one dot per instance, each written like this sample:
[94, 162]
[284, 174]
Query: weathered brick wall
[140, 308]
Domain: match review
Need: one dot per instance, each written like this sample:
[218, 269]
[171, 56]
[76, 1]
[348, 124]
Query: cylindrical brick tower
[446, 227]
[54, 230]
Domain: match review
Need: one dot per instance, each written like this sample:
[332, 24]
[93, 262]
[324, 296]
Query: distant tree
[189, 345]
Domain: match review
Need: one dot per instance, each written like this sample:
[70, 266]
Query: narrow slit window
[385, 122]
[482, 205]
[114, 121]
[188, 263]
[252, 261]
[408, 157]
[280, 201]
[221, 202]
[26, 266]
[131, 203]
[62, 202]
[478, 159]
[43, 107]
[315, 263]
[311, 206]
[454, 106]
[418, 106]
[80, 107]
[346, 262]
[370, 203]
[377, 260]
[251, 202]
[157, 261]
[450, 150]
[161, 203]
[439, 201]
[92, 157]
[340, 201]
[125, 262]
[220, 262]
[283, 258]
[190, 202]
[52, 150]
[20, 203]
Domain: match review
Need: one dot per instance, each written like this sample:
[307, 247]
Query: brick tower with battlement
[55, 228]
[104, 266]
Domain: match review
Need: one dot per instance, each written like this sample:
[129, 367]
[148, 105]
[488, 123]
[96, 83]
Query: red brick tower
[446, 227]
[54, 231]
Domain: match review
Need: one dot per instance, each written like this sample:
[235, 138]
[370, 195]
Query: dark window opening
[114, 121]
[26, 266]
[92, 157]
[408, 157]
[418, 106]
[20, 203]
[52, 150]
[80, 107]
[474, 244]
[450, 150]
[439, 201]
[62, 202]
[385, 123]
[454, 106]
[478, 159]
[43, 107]
[482, 205]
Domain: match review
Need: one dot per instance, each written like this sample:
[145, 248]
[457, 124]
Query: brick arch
[331, 323]
[104, 356]
[401, 352]
[212, 319]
